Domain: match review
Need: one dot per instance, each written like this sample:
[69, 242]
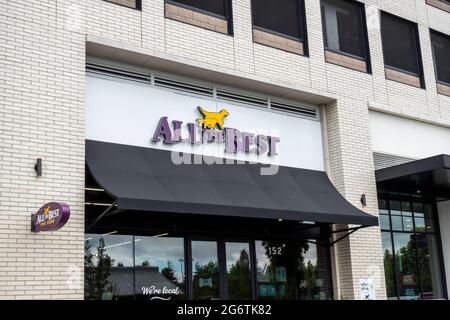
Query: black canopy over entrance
[145, 179]
[428, 177]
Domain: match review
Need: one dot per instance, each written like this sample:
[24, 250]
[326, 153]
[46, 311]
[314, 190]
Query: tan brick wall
[42, 60]
[345, 61]
[276, 41]
[196, 18]
[439, 4]
[126, 3]
[402, 77]
[41, 116]
[443, 89]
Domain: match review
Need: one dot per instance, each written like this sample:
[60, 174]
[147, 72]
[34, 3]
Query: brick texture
[439, 4]
[276, 41]
[402, 77]
[345, 61]
[443, 89]
[126, 3]
[196, 18]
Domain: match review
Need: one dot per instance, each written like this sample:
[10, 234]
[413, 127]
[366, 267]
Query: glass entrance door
[205, 270]
[239, 281]
[258, 269]
[221, 270]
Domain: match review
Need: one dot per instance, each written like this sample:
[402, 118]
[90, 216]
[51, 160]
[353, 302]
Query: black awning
[427, 177]
[145, 179]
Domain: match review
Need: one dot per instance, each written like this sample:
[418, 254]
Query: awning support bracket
[350, 231]
[105, 213]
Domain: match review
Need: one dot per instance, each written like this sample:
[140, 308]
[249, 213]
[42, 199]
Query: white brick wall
[42, 59]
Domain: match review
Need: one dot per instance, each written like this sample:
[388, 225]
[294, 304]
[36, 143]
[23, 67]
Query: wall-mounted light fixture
[38, 167]
[363, 200]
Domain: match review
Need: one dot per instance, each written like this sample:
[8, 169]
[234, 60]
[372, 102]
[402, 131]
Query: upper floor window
[214, 15]
[280, 24]
[343, 23]
[441, 53]
[345, 34]
[401, 50]
[281, 16]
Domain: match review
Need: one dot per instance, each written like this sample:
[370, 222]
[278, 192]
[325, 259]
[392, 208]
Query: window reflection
[405, 258]
[292, 270]
[205, 269]
[312, 272]
[159, 267]
[388, 259]
[108, 258]
[414, 266]
[429, 265]
[274, 270]
[238, 270]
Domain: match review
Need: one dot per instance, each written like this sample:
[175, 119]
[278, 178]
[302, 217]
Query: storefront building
[287, 150]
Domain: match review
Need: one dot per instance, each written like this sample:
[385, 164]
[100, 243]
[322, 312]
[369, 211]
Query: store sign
[367, 289]
[50, 217]
[136, 114]
[210, 128]
[408, 280]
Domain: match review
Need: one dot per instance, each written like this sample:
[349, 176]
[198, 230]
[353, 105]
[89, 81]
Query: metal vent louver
[382, 160]
[118, 73]
[183, 86]
[292, 109]
[245, 99]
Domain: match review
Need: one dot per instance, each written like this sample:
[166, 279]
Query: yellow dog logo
[212, 119]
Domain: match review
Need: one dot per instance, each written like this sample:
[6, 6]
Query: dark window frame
[365, 35]
[435, 233]
[228, 16]
[419, 58]
[302, 27]
[446, 36]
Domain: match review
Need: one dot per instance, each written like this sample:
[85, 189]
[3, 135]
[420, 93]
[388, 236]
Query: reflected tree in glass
[206, 280]
[239, 278]
[98, 275]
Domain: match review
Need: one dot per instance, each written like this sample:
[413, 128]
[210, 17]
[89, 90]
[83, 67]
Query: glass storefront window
[313, 271]
[154, 267]
[108, 264]
[411, 251]
[238, 270]
[405, 259]
[159, 270]
[397, 223]
[385, 223]
[205, 270]
[280, 277]
[388, 258]
[429, 266]
[274, 270]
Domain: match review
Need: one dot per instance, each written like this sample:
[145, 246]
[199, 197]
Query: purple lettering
[233, 140]
[273, 145]
[177, 130]
[248, 141]
[163, 129]
[193, 133]
[261, 144]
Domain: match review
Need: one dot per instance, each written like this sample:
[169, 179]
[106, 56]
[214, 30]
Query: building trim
[102, 48]
[378, 107]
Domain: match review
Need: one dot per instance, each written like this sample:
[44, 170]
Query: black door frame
[221, 259]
